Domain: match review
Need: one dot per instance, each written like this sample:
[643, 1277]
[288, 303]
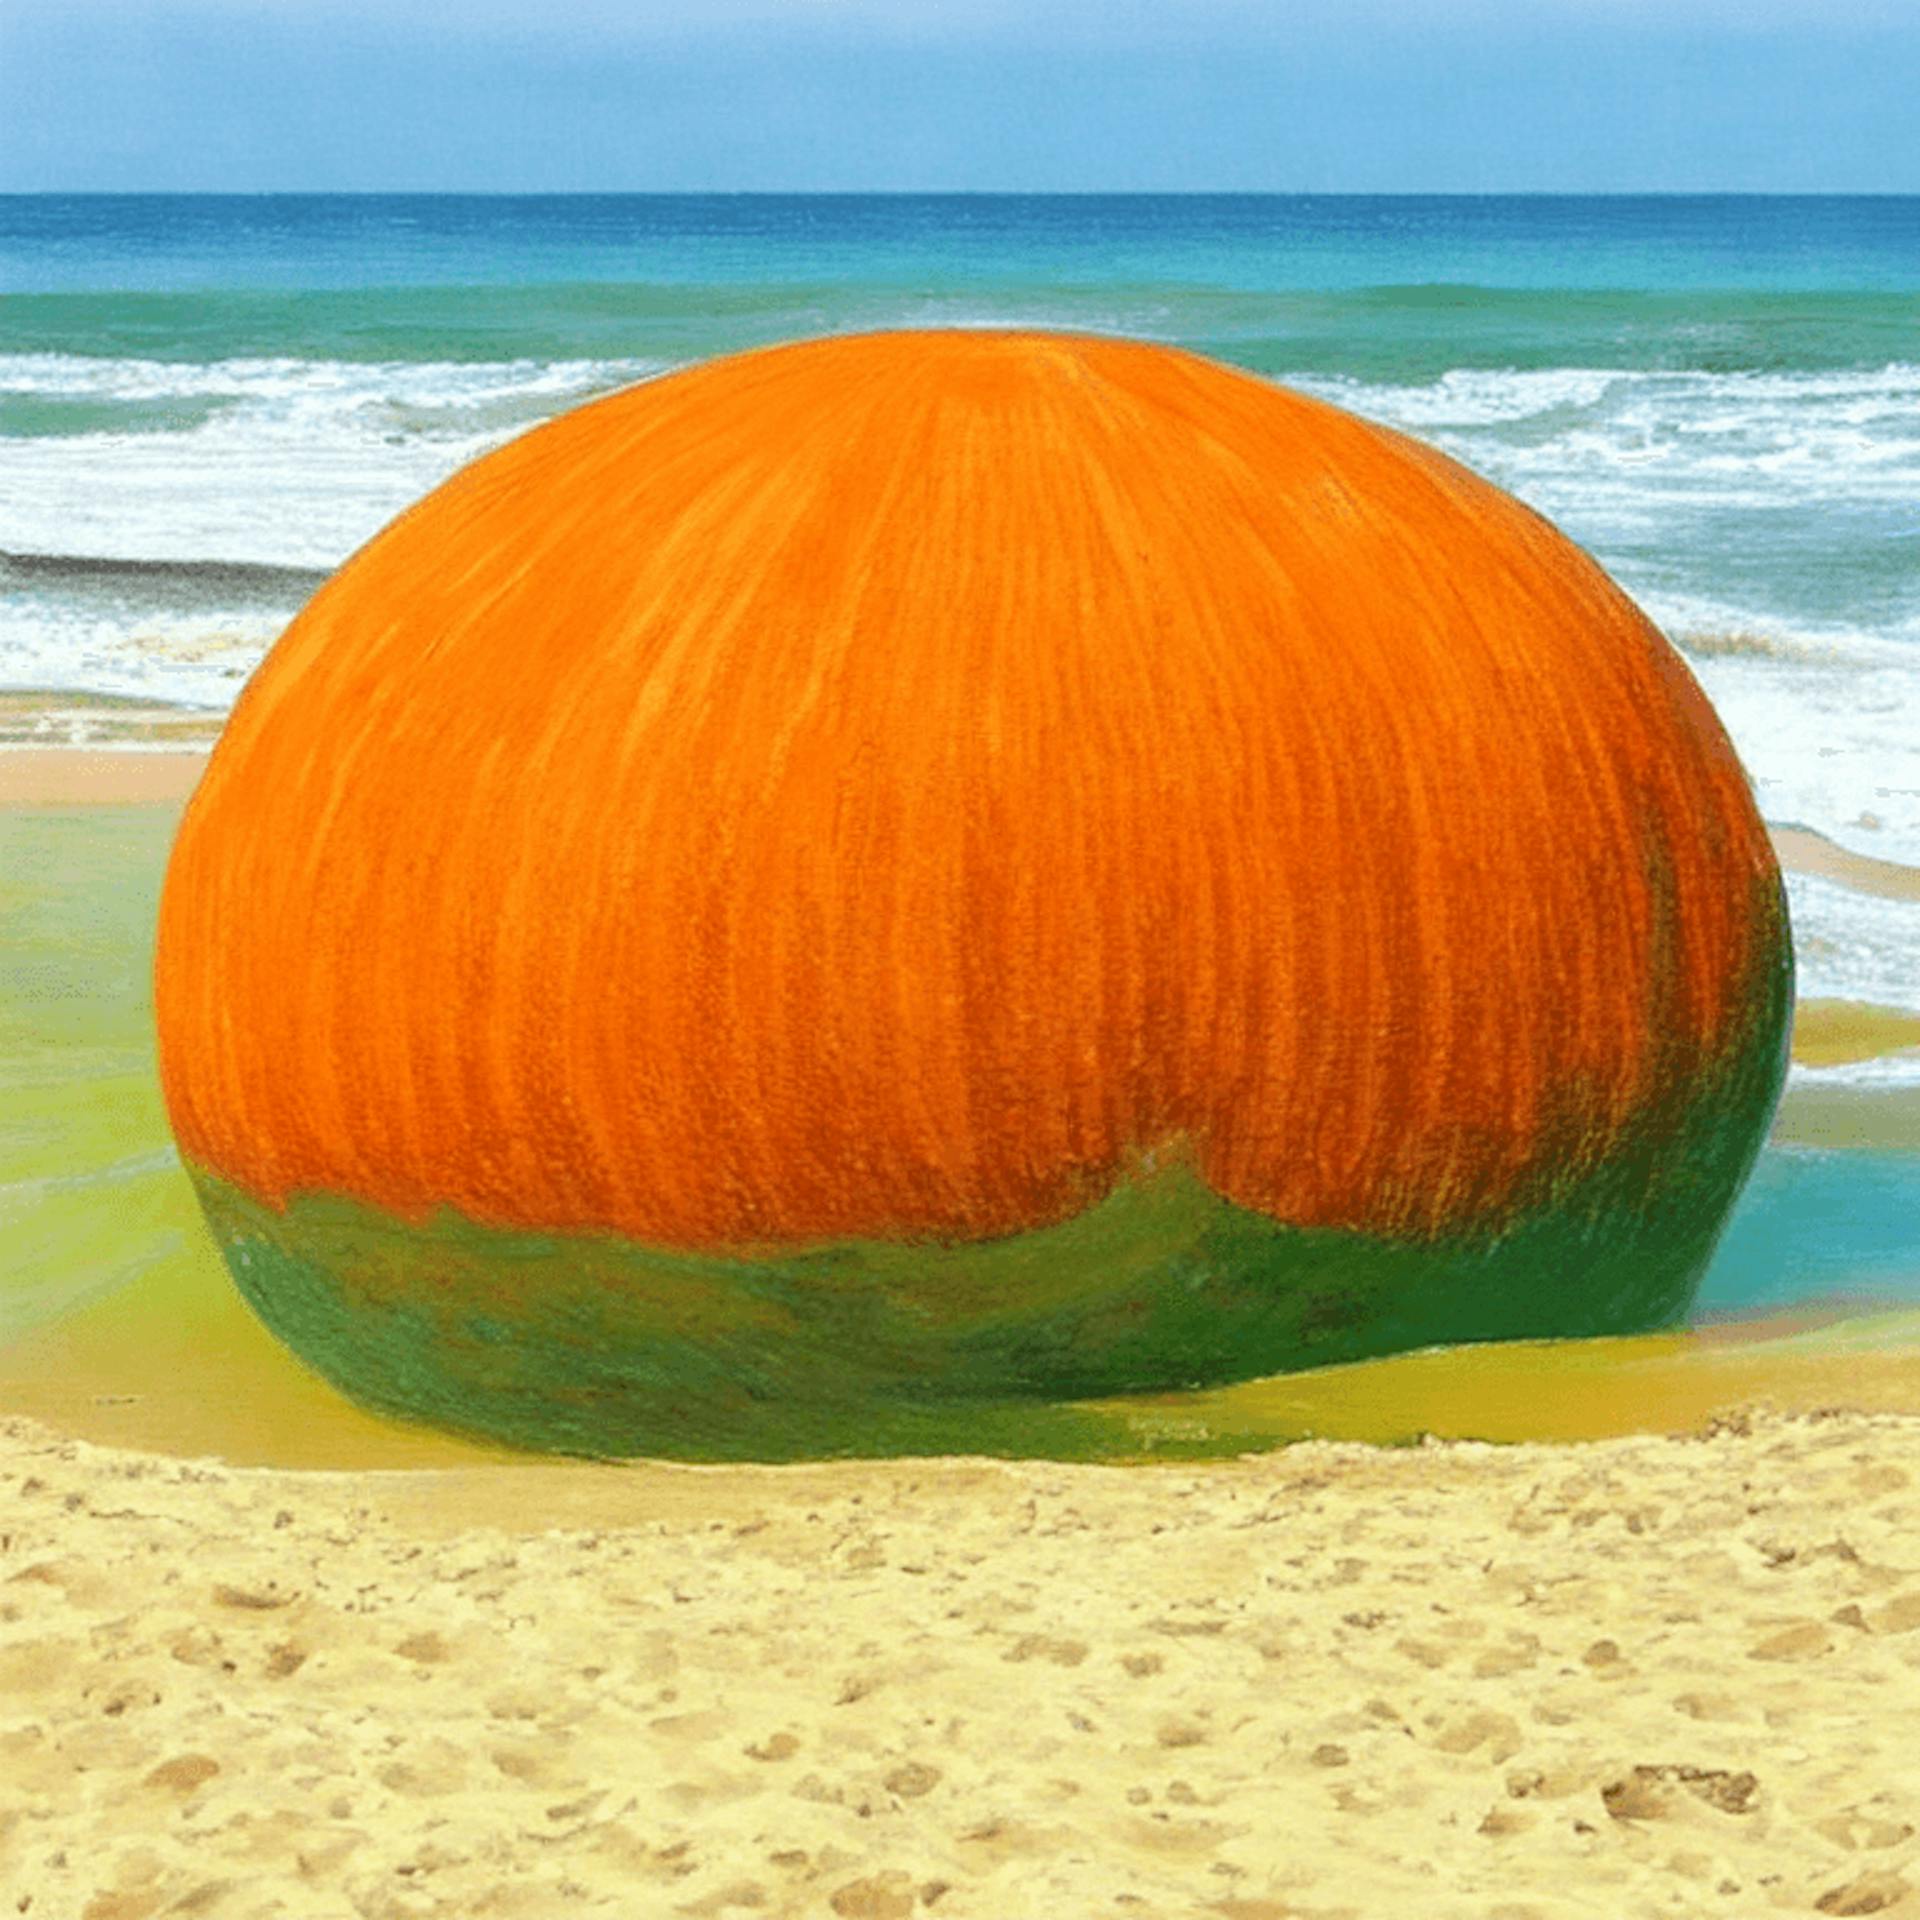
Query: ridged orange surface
[881, 786]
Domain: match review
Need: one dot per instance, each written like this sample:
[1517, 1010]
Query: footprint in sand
[880, 1896]
[1857, 1831]
[1655, 1792]
[1899, 1615]
[1803, 1640]
[1871, 1892]
[1498, 1733]
[183, 1775]
[1041, 1646]
[912, 1781]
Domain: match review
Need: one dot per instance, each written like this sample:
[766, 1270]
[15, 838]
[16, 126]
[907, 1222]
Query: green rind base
[589, 1344]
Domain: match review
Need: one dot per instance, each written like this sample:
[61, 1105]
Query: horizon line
[959, 193]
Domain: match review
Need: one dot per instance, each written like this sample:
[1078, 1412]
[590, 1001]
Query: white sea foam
[305, 462]
[1826, 717]
[309, 460]
[1574, 440]
[1883, 1073]
[1850, 945]
[331, 382]
[197, 659]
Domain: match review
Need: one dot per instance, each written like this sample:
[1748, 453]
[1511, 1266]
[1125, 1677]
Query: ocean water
[207, 403]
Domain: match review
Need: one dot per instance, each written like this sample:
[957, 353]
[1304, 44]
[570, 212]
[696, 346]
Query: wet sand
[1880, 1120]
[97, 776]
[1801, 850]
[177, 1364]
[1832, 1033]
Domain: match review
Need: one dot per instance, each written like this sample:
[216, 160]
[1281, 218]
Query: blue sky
[1372, 96]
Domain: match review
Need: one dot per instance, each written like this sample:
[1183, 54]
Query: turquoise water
[1411, 333]
[1398, 288]
[1815, 1225]
[1256, 242]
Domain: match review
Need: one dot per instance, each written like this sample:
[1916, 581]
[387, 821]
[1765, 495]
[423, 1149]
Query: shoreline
[1828, 1032]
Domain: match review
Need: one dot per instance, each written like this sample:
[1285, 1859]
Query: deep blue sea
[206, 403]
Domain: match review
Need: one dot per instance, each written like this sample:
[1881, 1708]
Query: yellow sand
[1641, 1677]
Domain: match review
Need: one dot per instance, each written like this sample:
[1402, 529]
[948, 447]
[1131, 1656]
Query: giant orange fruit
[832, 898]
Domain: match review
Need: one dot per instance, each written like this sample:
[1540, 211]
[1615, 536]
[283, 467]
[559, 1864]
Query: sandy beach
[1641, 1677]
[1673, 1671]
